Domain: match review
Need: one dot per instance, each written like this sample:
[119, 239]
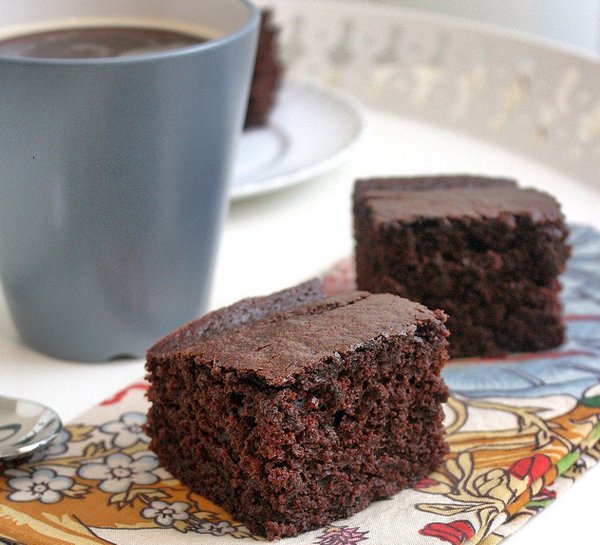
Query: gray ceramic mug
[114, 172]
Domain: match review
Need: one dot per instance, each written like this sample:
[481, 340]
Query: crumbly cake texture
[485, 251]
[295, 418]
[268, 70]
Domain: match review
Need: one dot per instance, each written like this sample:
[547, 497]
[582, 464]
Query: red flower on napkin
[455, 532]
[425, 482]
[122, 393]
[531, 468]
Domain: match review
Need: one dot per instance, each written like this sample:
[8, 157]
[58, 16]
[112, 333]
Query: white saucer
[310, 131]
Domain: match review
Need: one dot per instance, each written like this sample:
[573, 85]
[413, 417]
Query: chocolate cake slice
[291, 419]
[485, 251]
[268, 70]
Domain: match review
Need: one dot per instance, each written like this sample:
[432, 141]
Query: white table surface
[283, 238]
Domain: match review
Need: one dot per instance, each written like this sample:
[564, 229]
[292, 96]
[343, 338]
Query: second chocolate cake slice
[291, 419]
[482, 249]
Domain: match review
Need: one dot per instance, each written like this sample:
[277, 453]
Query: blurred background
[572, 22]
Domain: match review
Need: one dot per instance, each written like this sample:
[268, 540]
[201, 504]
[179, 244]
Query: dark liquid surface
[95, 42]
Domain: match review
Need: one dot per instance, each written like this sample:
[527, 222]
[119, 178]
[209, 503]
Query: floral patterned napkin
[520, 430]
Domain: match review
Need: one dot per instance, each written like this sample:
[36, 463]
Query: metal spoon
[25, 426]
